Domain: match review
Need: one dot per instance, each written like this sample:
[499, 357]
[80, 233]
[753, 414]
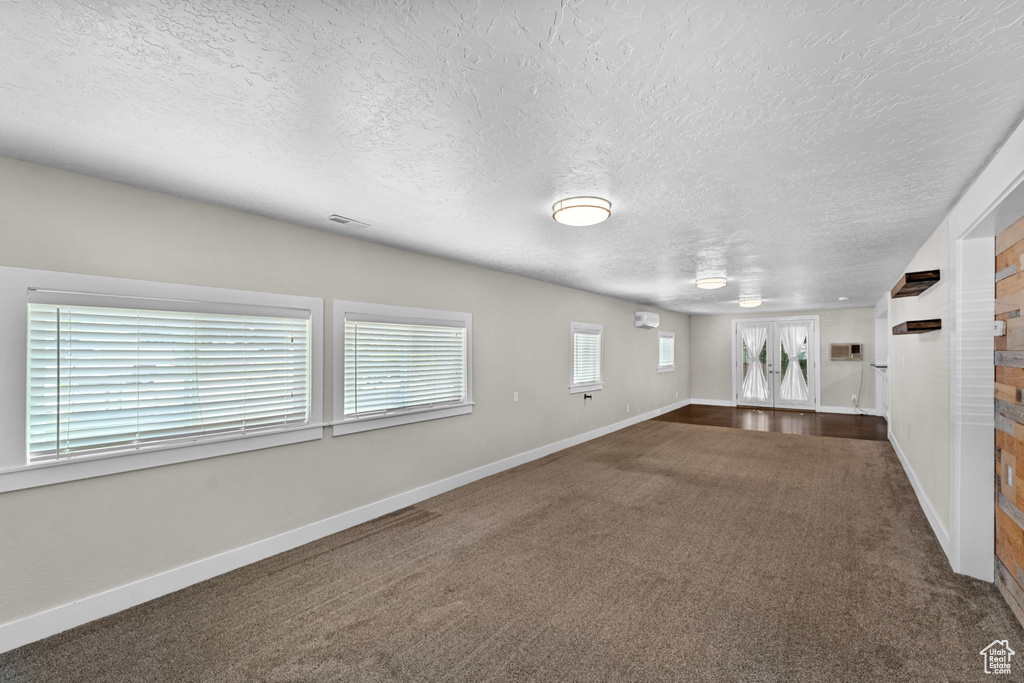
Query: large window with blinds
[587, 353]
[106, 380]
[666, 351]
[395, 365]
[122, 374]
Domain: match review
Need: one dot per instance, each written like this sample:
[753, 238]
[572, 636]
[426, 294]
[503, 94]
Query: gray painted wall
[919, 377]
[711, 355]
[68, 541]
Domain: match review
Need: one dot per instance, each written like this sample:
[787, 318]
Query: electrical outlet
[515, 397]
[853, 397]
[627, 407]
[677, 394]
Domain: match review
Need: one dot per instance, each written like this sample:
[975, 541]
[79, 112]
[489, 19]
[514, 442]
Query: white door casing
[770, 380]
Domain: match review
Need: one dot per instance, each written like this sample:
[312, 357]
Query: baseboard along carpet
[662, 552]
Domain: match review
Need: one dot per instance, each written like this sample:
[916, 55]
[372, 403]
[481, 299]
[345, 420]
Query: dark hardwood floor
[866, 427]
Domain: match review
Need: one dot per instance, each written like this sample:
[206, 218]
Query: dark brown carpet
[663, 552]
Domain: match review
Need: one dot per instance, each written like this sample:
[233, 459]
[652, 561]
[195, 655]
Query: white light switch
[515, 397]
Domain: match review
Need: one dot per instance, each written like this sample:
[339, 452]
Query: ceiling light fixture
[581, 211]
[750, 303]
[844, 298]
[711, 282]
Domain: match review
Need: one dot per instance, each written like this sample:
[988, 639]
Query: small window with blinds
[587, 352]
[666, 351]
[399, 365]
[119, 375]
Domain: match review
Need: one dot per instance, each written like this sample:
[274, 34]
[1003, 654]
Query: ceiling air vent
[347, 222]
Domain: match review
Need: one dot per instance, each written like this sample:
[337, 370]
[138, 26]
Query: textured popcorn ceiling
[806, 148]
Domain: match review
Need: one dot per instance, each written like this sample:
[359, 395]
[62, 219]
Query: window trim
[15, 284]
[672, 367]
[397, 314]
[585, 328]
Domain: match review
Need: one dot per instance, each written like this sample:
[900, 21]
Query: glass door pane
[754, 344]
[793, 388]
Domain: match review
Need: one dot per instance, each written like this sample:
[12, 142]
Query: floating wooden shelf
[918, 326]
[912, 284]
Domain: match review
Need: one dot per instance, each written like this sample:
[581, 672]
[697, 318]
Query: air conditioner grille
[347, 222]
[844, 352]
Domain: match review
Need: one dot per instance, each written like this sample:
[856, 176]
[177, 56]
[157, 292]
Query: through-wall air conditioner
[844, 352]
[646, 320]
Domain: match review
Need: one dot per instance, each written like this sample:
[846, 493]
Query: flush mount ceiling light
[711, 282]
[844, 298]
[750, 303]
[580, 211]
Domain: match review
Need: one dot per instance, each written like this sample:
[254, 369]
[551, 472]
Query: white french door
[776, 363]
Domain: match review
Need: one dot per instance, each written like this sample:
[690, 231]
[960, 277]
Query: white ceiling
[807, 148]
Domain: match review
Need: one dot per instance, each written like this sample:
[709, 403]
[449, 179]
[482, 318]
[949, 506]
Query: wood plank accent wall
[1009, 417]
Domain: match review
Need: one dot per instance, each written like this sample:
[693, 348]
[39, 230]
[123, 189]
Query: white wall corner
[973, 529]
[972, 435]
[992, 203]
[882, 306]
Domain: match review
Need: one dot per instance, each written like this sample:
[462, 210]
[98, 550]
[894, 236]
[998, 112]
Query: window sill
[580, 388]
[667, 368]
[364, 424]
[56, 472]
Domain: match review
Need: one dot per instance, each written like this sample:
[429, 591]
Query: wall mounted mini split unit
[844, 352]
[646, 320]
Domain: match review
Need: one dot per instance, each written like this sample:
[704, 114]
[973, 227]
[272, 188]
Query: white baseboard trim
[712, 402]
[843, 410]
[938, 528]
[50, 622]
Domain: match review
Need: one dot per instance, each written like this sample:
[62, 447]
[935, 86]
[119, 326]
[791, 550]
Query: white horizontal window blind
[666, 350]
[398, 366]
[586, 355]
[111, 379]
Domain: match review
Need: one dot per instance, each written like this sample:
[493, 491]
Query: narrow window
[666, 351]
[586, 372]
